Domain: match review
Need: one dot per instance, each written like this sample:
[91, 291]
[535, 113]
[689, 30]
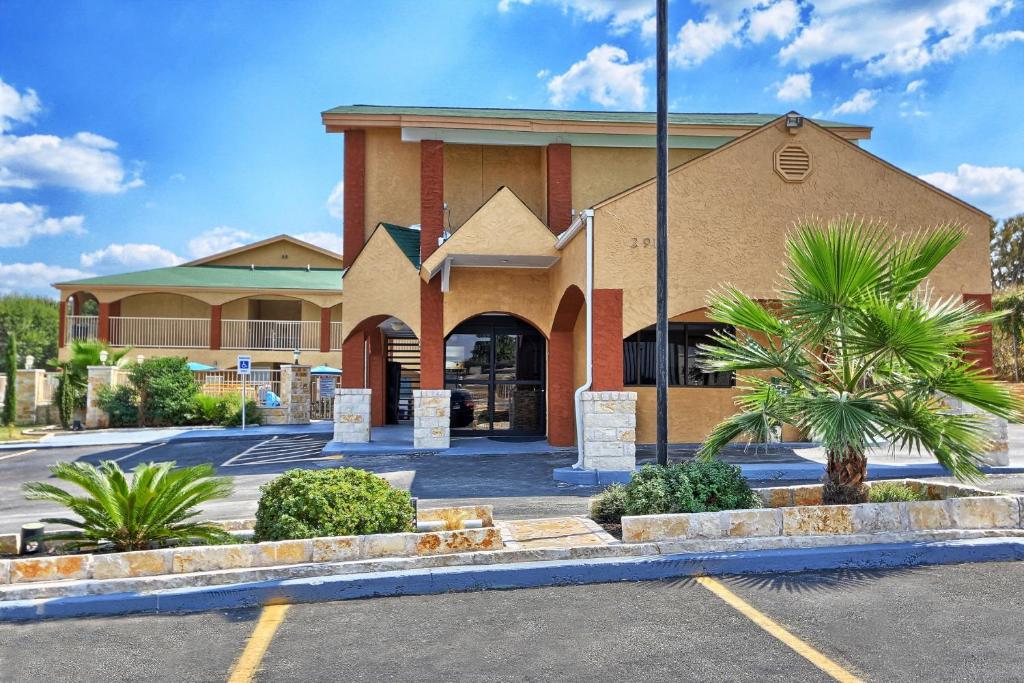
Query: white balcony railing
[271, 335]
[262, 386]
[336, 337]
[81, 327]
[167, 333]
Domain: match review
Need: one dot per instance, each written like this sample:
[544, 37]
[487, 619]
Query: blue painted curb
[583, 477]
[523, 575]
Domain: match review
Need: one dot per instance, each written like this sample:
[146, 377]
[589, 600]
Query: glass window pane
[467, 357]
[697, 335]
[519, 407]
[469, 406]
[518, 357]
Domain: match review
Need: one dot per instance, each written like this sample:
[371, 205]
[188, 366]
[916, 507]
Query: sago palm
[155, 508]
[857, 351]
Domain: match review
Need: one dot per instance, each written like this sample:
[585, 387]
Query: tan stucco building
[466, 255]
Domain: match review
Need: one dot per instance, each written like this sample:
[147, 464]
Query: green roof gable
[752, 120]
[222, 277]
[407, 239]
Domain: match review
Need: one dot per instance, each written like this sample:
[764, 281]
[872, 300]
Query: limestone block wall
[29, 388]
[295, 394]
[352, 415]
[609, 430]
[431, 418]
[100, 376]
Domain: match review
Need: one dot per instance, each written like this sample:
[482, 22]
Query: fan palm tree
[857, 351]
[155, 508]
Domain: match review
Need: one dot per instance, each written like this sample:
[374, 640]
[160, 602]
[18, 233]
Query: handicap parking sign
[244, 365]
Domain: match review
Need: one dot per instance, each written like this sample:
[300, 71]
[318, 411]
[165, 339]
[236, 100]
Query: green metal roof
[407, 239]
[227, 277]
[696, 119]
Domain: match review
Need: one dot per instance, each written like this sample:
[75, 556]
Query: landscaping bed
[790, 513]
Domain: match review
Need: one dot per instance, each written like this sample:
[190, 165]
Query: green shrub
[893, 492]
[341, 502]
[609, 505]
[155, 508]
[205, 409]
[695, 486]
[120, 403]
[166, 389]
[229, 411]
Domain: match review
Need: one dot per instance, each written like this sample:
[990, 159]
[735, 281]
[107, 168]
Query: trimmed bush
[120, 403]
[341, 502]
[225, 411]
[893, 492]
[694, 486]
[166, 389]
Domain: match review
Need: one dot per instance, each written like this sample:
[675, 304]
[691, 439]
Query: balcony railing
[262, 386]
[194, 333]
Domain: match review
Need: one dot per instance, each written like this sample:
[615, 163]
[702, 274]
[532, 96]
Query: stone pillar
[609, 430]
[295, 396]
[352, 415]
[431, 418]
[99, 376]
[999, 451]
[29, 389]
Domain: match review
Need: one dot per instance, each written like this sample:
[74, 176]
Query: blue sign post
[244, 370]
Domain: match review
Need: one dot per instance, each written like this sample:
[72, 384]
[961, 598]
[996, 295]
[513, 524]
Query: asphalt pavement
[940, 623]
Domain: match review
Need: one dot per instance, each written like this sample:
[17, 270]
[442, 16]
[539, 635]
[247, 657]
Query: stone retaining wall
[795, 511]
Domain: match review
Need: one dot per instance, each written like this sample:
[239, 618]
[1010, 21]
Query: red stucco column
[980, 353]
[103, 331]
[354, 203]
[431, 299]
[76, 305]
[62, 322]
[352, 360]
[431, 335]
[215, 318]
[561, 413]
[607, 340]
[559, 187]
[376, 376]
[325, 329]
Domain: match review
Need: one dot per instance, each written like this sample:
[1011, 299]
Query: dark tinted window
[640, 360]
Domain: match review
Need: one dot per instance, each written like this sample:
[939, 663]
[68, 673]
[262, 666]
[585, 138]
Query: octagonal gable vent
[793, 163]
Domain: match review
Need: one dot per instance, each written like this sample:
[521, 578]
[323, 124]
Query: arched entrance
[495, 368]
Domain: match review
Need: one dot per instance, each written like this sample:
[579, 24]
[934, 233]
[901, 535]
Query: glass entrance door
[494, 367]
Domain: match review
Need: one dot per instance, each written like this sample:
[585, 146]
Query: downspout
[588, 216]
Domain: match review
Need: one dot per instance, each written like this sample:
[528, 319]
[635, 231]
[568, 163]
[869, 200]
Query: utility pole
[661, 339]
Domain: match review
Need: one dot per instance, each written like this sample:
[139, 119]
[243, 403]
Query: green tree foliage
[1008, 334]
[166, 390]
[154, 508]
[341, 502]
[33, 320]
[11, 370]
[1007, 247]
[858, 351]
[74, 379]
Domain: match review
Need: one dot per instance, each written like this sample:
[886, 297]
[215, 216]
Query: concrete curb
[524, 575]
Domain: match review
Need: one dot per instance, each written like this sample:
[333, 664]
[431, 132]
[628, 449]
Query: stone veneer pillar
[99, 376]
[28, 389]
[431, 418]
[609, 431]
[295, 394]
[352, 415]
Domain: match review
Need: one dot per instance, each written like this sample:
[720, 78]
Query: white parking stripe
[12, 455]
[231, 460]
[141, 450]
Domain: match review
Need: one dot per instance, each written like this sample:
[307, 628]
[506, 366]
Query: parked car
[462, 406]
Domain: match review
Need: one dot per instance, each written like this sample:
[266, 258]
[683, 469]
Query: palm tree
[155, 508]
[857, 351]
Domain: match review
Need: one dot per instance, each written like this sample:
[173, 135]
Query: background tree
[1008, 334]
[11, 368]
[1007, 247]
[856, 352]
[34, 321]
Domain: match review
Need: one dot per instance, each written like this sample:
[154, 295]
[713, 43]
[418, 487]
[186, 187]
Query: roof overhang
[529, 261]
[475, 136]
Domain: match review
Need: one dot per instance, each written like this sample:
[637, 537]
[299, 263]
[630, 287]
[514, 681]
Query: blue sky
[139, 134]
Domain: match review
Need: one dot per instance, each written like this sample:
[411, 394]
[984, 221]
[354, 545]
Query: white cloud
[911, 110]
[336, 201]
[621, 15]
[914, 86]
[696, 41]
[331, 241]
[19, 223]
[218, 239]
[35, 278]
[863, 100]
[605, 76]
[996, 189]
[17, 107]
[995, 41]
[778, 20]
[889, 37]
[130, 255]
[796, 87]
[177, 177]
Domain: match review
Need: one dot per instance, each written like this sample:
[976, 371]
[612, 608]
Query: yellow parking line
[799, 646]
[249, 662]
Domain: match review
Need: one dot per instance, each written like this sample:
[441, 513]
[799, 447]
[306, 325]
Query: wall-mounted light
[29, 362]
[295, 356]
[103, 357]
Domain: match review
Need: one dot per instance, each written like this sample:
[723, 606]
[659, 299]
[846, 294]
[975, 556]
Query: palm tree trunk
[844, 478]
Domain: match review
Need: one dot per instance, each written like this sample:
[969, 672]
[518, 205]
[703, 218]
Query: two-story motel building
[466, 263]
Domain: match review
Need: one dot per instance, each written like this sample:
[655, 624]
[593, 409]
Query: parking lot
[945, 623]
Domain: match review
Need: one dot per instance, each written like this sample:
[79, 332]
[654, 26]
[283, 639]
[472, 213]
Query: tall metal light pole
[661, 339]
